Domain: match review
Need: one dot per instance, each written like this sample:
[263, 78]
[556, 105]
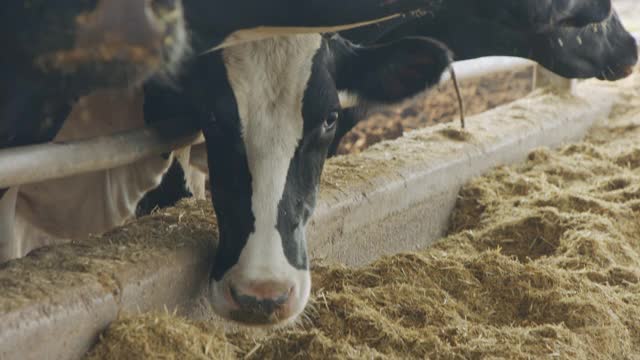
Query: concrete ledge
[368, 199]
[54, 303]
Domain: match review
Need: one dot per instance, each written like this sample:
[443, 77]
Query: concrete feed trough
[57, 301]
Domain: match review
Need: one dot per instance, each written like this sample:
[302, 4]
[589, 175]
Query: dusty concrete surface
[56, 301]
[417, 178]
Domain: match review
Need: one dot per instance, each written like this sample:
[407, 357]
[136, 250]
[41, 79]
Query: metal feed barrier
[30, 164]
[36, 163]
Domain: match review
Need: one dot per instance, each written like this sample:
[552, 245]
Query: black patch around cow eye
[331, 120]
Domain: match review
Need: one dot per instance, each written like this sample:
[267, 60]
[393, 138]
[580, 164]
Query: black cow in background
[472, 29]
[58, 51]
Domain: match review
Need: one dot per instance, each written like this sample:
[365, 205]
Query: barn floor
[542, 260]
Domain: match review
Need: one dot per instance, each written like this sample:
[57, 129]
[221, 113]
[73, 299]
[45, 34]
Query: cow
[472, 29]
[60, 51]
[603, 50]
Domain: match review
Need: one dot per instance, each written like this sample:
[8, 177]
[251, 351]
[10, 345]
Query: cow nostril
[241, 300]
[282, 299]
[260, 299]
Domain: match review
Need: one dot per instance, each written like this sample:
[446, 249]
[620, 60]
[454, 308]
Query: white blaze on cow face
[268, 79]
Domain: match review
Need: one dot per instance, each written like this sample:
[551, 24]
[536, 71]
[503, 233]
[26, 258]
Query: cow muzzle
[261, 302]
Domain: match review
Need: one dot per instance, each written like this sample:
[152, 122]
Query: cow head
[269, 110]
[267, 146]
[604, 50]
[576, 39]
[587, 40]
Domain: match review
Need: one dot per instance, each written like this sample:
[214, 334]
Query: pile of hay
[542, 260]
[163, 336]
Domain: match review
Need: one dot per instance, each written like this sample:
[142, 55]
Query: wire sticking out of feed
[458, 94]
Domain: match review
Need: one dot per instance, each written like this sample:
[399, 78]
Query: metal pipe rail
[470, 69]
[35, 163]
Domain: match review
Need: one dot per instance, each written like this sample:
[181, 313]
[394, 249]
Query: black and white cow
[268, 110]
[471, 29]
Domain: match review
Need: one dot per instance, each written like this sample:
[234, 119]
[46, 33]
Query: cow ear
[390, 72]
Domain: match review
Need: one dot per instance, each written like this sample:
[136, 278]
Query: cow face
[269, 111]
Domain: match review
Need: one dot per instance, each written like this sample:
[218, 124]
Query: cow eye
[331, 120]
